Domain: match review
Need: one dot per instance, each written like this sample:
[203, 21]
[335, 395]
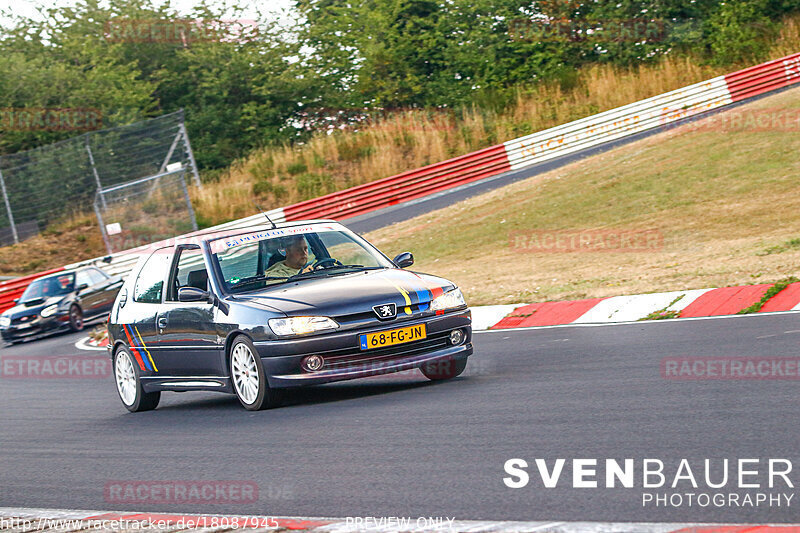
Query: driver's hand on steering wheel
[306, 269]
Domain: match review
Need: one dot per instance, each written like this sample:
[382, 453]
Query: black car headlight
[448, 300]
[48, 311]
[301, 325]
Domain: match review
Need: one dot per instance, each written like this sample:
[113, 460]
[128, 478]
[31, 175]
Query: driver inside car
[296, 258]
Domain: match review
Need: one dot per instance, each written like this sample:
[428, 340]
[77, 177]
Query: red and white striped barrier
[33, 520]
[617, 309]
[567, 139]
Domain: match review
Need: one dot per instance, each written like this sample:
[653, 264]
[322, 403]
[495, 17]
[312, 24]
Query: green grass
[715, 196]
[791, 244]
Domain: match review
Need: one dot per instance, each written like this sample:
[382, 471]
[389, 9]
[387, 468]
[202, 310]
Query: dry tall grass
[274, 177]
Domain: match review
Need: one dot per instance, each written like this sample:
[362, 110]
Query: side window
[96, 276]
[191, 272]
[82, 278]
[150, 282]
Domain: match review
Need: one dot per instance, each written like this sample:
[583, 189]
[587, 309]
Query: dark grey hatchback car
[252, 312]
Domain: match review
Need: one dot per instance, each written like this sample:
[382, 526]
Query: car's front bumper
[345, 360]
[35, 328]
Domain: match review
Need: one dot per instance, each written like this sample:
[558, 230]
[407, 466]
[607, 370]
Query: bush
[296, 168]
[313, 185]
[265, 188]
[740, 31]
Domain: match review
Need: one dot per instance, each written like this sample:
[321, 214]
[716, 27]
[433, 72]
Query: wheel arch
[229, 344]
[115, 347]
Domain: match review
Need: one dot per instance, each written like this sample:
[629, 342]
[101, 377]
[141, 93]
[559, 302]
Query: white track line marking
[83, 344]
[642, 323]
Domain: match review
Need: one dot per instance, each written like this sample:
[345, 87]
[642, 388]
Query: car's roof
[70, 271]
[211, 235]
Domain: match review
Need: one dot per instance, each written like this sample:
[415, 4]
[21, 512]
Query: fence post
[188, 201]
[106, 241]
[94, 170]
[8, 209]
[171, 151]
[190, 154]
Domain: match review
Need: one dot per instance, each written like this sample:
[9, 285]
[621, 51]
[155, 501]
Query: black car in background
[63, 301]
[252, 312]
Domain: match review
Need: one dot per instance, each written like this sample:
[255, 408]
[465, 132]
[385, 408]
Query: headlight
[448, 300]
[50, 310]
[5, 321]
[300, 325]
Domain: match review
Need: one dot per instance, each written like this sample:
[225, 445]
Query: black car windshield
[265, 258]
[48, 287]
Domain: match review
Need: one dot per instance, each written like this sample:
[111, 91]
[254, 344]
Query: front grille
[22, 320]
[366, 318]
[350, 357]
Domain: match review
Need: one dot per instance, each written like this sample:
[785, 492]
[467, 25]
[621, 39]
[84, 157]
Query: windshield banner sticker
[223, 244]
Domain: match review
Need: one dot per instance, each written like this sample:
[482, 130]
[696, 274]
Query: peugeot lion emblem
[385, 311]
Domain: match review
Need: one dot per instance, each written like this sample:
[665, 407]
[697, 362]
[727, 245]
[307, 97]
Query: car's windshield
[266, 258]
[47, 287]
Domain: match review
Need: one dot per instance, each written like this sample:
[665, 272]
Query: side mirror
[193, 294]
[404, 260]
[82, 286]
[16, 300]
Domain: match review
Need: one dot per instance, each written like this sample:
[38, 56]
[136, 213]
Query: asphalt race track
[401, 446]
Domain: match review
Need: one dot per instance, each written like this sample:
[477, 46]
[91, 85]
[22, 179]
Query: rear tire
[248, 378]
[129, 384]
[75, 318]
[442, 370]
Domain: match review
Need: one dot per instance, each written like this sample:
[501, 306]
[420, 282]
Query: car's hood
[352, 293]
[32, 307]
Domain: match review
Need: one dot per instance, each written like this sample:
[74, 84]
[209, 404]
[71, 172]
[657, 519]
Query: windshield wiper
[258, 279]
[328, 271]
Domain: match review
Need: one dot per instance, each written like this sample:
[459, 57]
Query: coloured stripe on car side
[132, 346]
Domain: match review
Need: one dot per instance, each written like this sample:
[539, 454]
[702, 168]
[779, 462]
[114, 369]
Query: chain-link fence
[51, 182]
[145, 210]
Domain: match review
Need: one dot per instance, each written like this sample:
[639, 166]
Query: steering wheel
[328, 260]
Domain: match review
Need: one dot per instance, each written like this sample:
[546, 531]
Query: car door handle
[162, 322]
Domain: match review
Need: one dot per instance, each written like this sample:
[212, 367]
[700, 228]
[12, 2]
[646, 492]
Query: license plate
[393, 336]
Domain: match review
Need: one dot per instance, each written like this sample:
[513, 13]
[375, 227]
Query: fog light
[313, 362]
[456, 337]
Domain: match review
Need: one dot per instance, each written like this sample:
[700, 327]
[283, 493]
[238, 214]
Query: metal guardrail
[656, 112]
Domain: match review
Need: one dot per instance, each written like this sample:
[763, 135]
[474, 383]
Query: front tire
[248, 377]
[129, 384]
[75, 318]
[442, 370]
